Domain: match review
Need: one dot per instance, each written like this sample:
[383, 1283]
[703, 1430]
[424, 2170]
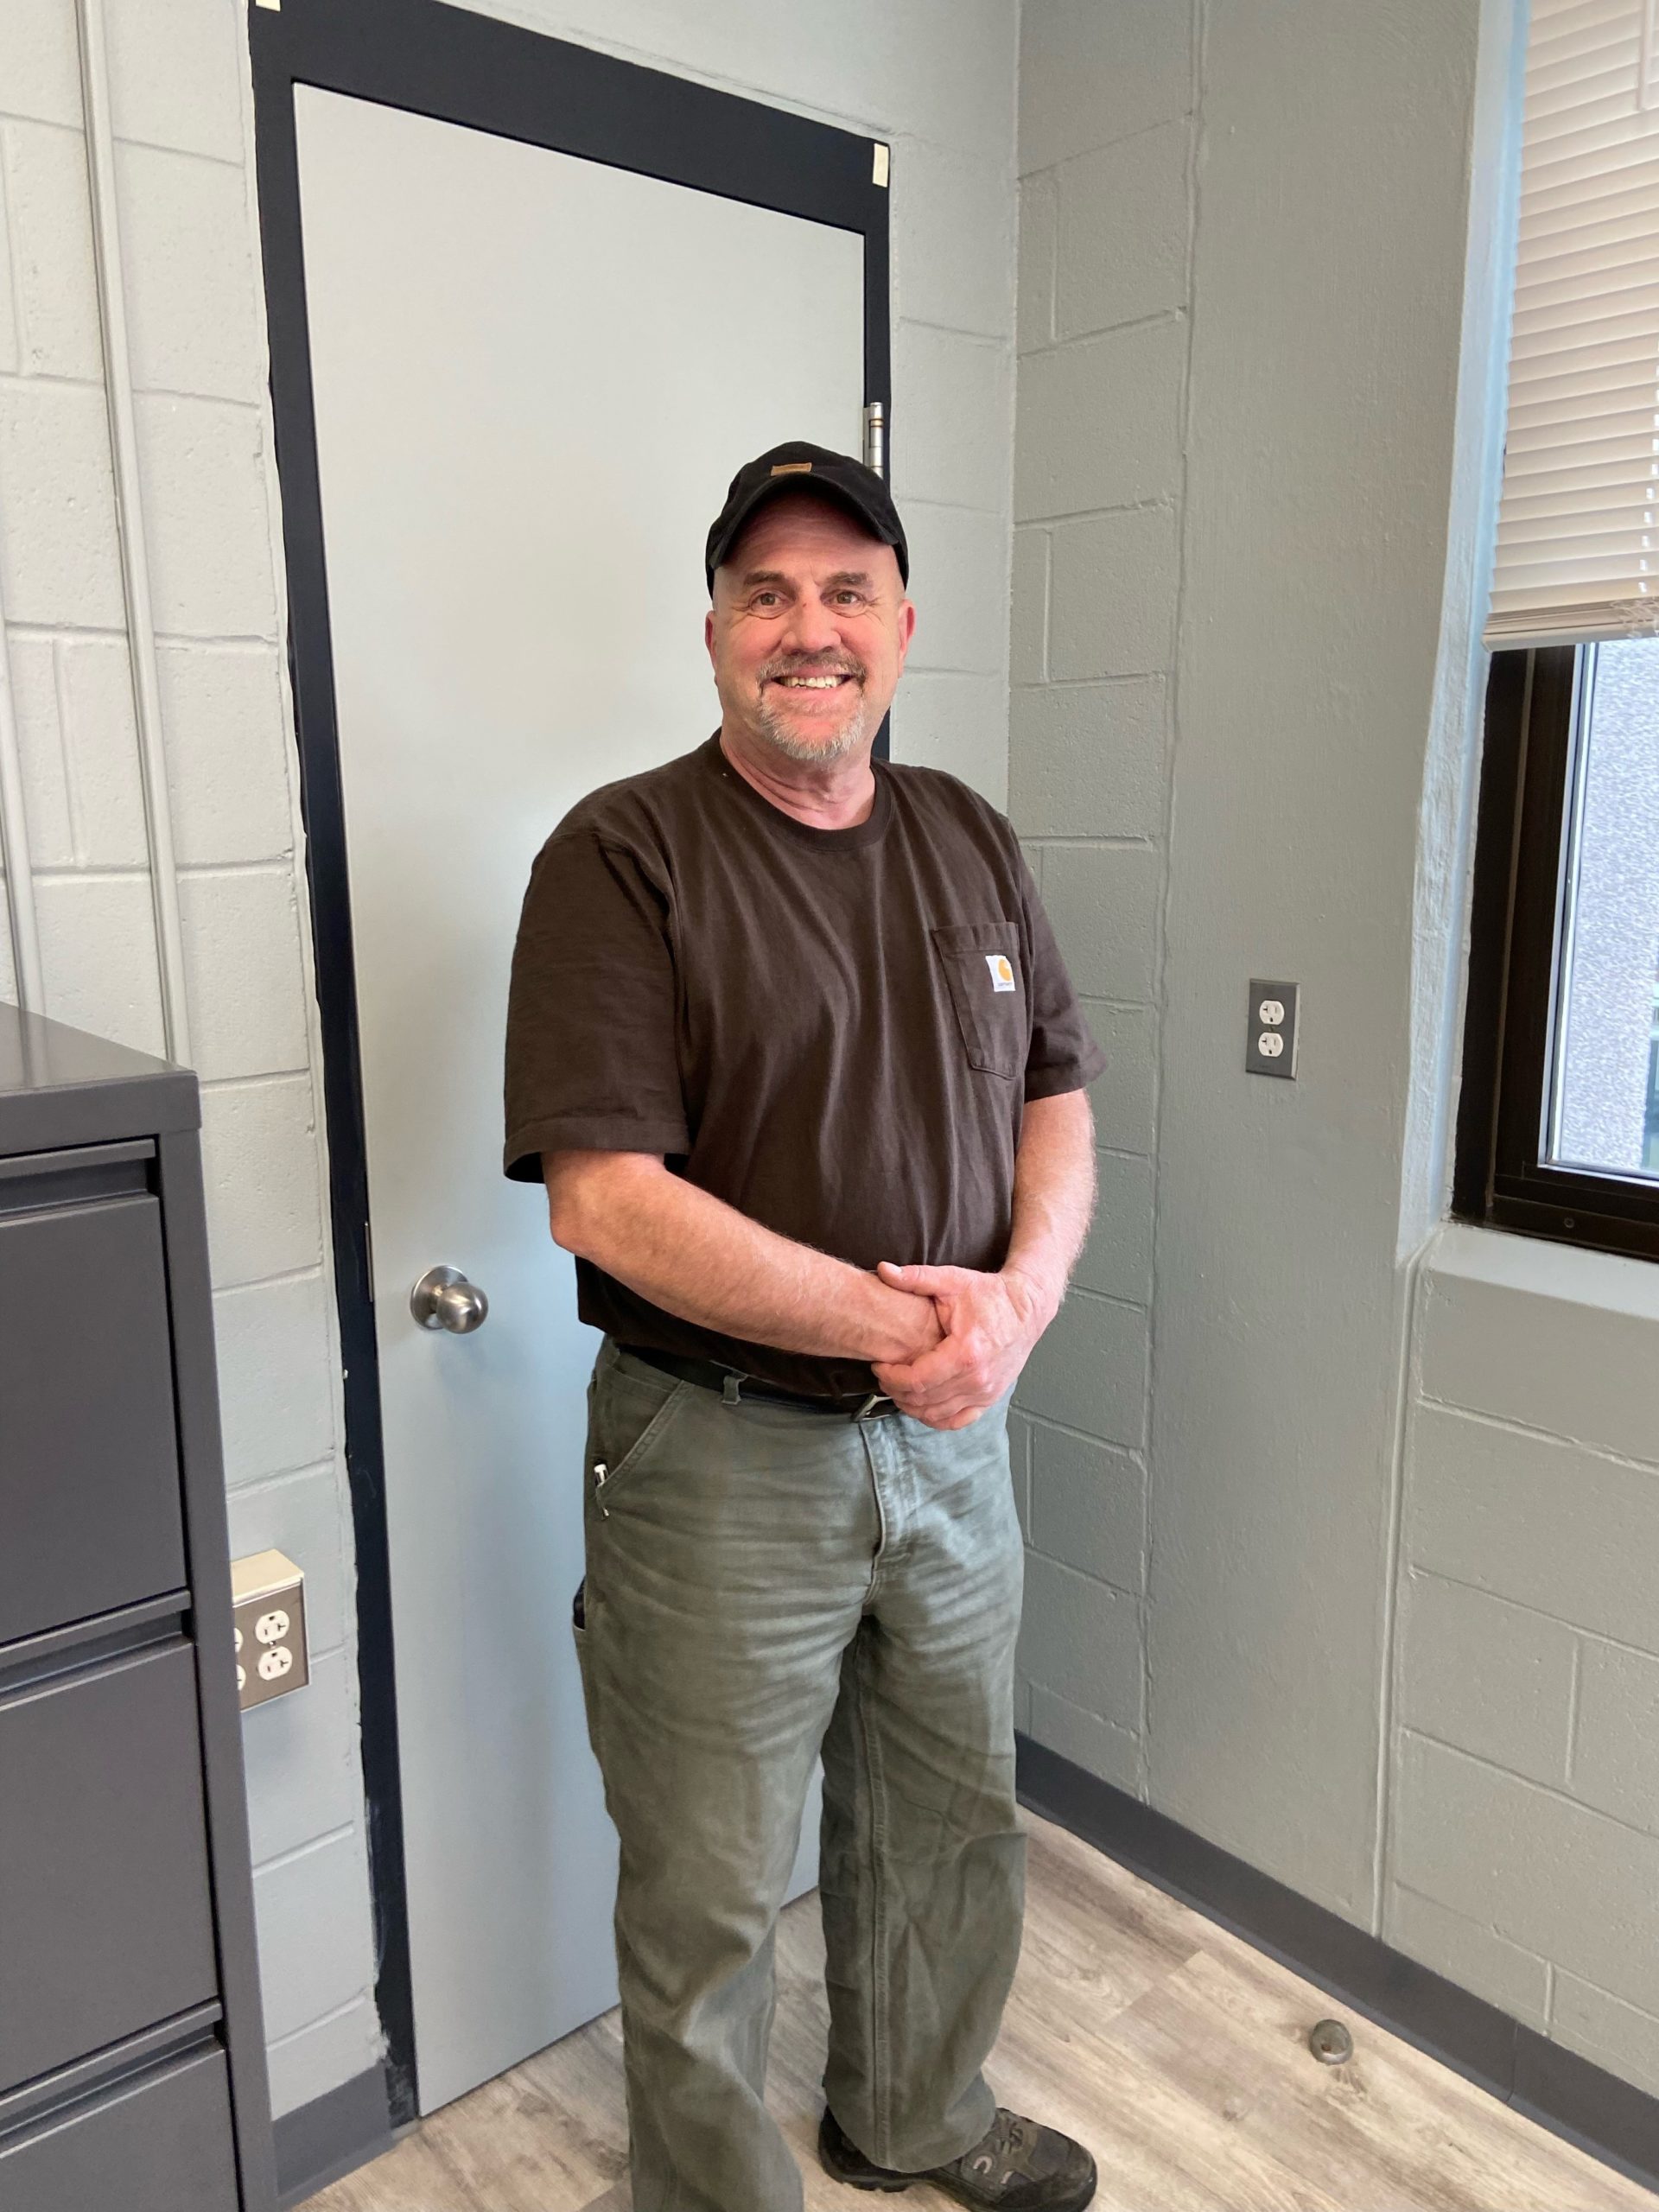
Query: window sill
[1610, 1280]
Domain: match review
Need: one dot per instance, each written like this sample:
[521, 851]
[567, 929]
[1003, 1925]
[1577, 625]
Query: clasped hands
[983, 1333]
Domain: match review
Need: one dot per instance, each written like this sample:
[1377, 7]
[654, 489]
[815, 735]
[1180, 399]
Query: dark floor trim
[1550, 2084]
[333, 2135]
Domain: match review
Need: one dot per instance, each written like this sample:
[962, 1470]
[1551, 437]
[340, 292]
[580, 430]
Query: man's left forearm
[1053, 1195]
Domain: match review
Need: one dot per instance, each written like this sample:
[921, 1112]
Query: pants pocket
[585, 1663]
[628, 1417]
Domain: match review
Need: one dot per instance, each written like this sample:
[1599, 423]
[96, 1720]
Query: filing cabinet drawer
[105, 1912]
[162, 2143]
[89, 1476]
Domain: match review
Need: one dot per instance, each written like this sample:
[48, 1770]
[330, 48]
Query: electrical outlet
[1272, 1027]
[268, 1592]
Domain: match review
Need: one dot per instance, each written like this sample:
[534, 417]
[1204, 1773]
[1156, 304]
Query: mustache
[842, 664]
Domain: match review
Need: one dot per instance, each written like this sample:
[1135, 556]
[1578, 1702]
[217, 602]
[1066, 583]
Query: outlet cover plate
[1275, 1024]
[268, 1600]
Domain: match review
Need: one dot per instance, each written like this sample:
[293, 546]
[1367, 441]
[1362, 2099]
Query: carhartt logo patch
[791, 469]
[1001, 972]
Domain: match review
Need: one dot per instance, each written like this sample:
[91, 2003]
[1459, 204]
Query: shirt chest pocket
[981, 966]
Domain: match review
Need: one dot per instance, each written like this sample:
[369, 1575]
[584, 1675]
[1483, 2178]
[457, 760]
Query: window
[1603, 1107]
[1559, 1128]
[1559, 1125]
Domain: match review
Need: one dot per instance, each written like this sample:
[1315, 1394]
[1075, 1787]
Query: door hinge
[875, 437]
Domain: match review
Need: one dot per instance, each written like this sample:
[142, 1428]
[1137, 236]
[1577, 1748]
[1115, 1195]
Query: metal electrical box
[268, 1594]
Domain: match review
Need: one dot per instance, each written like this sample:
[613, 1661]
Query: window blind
[1578, 539]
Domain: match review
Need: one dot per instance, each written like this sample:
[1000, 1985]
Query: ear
[709, 635]
[907, 629]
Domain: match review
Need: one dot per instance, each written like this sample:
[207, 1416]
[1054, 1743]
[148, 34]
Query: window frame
[1500, 1179]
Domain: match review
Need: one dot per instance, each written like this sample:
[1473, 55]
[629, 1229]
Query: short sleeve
[1063, 1056]
[592, 1011]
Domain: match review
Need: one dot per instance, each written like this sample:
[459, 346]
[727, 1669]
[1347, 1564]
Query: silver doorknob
[443, 1299]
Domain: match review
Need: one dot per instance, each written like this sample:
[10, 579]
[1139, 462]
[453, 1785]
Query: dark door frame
[462, 67]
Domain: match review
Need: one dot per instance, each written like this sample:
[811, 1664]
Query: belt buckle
[875, 1398]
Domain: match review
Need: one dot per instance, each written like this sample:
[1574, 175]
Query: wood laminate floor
[1177, 2052]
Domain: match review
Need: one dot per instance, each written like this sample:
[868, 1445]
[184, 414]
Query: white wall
[178, 103]
[937, 79]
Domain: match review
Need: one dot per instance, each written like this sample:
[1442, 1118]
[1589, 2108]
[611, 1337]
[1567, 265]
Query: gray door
[533, 376]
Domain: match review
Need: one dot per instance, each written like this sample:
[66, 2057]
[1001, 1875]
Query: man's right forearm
[695, 1256]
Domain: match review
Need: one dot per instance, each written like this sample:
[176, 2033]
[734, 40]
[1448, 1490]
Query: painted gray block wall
[1524, 1820]
[1224, 681]
[1408, 1668]
[1328, 283]
[1107, 122]
[936, 77]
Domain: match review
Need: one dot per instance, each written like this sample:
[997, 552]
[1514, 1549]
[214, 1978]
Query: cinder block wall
[1365, 1591]
[937, 79]
[1107, 132]
[182, 155]
[1523, 1853]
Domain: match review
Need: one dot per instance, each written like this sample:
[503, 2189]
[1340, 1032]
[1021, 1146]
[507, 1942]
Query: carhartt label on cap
[1001, 973]
[791, 469]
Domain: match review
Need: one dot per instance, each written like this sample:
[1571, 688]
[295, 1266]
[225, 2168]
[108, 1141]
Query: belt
[734, 1386]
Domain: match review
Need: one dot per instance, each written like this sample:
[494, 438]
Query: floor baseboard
[331, 2136]
[1582, 2102]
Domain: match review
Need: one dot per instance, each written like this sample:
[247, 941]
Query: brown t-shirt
[833, 1030]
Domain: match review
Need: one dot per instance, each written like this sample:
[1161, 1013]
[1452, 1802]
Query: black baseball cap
[797, 466]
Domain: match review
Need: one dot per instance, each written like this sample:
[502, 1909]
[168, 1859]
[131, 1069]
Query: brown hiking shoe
[1017, 2166]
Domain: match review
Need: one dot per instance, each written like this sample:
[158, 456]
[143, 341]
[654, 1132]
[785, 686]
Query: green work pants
[764, 1583]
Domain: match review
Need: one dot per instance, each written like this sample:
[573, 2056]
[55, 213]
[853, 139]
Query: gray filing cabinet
[132, 2074]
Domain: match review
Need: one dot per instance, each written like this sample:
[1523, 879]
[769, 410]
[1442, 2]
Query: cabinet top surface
[46, 1064]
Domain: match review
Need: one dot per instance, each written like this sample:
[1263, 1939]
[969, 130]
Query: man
[793, 1049]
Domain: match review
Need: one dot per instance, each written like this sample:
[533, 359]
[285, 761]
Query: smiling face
[809, 631]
